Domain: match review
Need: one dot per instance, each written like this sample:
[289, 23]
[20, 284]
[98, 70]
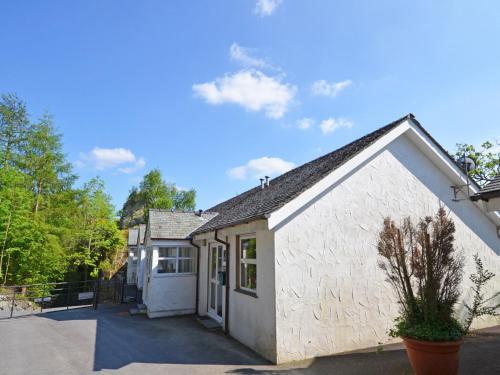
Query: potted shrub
[425, 270]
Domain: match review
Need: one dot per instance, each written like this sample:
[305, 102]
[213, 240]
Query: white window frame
[133, 255]
[177, 258]
[247, 261]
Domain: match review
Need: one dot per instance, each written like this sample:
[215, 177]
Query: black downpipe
[197, 274]
[226, 313]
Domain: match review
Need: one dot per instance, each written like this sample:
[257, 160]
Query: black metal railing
[20, 300]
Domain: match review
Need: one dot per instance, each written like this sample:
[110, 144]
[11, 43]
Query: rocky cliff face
[132, 215]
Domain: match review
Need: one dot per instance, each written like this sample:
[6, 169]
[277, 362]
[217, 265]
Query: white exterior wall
[167, 294]
[252, 320]
[330, 294]
[141, 265]
[131, 265]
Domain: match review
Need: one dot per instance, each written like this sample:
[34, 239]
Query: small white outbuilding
[170, 273]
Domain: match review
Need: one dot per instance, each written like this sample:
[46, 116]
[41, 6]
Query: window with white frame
[133, 255]
[175, 260]
[248, 263]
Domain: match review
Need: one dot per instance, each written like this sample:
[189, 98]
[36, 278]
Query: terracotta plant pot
[433, 358]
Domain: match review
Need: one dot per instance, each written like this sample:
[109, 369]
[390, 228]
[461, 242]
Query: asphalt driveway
[110, 341]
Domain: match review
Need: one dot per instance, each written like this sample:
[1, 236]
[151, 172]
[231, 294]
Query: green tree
[44, 161]
[48, 229]
[486, 158]
[99, 237]
[154, 192]
[14, 127]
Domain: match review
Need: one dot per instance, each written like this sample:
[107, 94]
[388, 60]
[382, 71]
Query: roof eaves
[245, 220]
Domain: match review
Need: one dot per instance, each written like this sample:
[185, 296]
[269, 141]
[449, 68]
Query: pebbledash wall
[330, 294]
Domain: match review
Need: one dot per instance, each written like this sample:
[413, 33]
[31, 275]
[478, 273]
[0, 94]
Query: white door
[216, 290]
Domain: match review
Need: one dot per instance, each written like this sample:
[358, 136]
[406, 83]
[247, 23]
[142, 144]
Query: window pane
[219, 300]
[166, 266]
[220, 254]
[248, 276]
[212, 296]
[248, 248]
[167, 252]
[213, 263]
[185, 252]
[186, 265]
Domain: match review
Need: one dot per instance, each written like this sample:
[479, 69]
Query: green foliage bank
[49, 230]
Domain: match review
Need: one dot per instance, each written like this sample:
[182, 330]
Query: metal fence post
[97, 291]
[13, 302]
[122, 299]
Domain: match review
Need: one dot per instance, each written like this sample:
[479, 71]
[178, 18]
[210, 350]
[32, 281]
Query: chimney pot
[267, 180]
[262, 183]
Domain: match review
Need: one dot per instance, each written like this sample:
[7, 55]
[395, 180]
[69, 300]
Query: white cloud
[251, 89]
[305, 123]
[331, 89]
[266, 7]
[137, 165]
[331, 124]
[108, 158]
[258, 168]
[244, 56]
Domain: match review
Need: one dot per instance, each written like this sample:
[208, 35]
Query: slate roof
[166, 224]
[491, 189]
[133, 234]
[255, 203]
[142, 234]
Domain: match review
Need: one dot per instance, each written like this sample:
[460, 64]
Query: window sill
[161, 275]
[246, 292]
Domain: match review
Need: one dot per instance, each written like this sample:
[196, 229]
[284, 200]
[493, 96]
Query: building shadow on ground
[121, 339]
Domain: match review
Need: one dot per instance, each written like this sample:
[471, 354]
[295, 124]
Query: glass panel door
[215, 298]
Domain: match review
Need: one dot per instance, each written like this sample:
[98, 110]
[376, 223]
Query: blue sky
[218, 93]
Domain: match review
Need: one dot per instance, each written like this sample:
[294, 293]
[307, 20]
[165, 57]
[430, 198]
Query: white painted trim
[415, 133]
[163, 275]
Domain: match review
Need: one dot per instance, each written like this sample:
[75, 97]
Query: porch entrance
[216, 275]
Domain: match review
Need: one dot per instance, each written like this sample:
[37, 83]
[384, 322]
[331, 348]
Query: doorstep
[209, 323]
[141, 309]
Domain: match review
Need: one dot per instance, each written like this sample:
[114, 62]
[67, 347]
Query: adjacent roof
[166, 224]
[256, 203]
[491, 189]
[133, 234]
[142, 233]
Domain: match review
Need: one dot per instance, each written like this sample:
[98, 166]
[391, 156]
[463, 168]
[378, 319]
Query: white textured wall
[141, 262]
[252, 321]
[330, 294]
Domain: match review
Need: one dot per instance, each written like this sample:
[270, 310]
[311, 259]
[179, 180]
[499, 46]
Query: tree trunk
[86, 266]
[38, 194]
[5, 242]
[6, 270]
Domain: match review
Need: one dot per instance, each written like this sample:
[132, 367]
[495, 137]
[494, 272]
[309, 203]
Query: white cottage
[289, 268]
[133, 234]
[170, 275]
